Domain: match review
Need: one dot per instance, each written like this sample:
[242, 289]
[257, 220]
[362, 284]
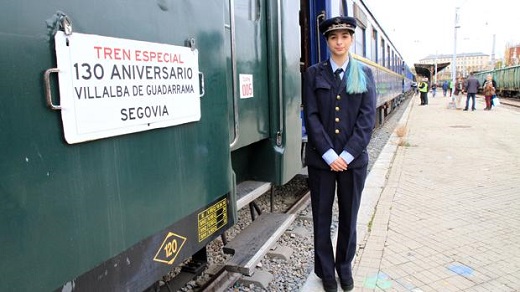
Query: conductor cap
[336, 23]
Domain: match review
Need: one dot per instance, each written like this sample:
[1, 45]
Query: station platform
[441, 206]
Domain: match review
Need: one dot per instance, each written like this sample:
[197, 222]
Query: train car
[131, 129]
[507, 79]
[127, 128]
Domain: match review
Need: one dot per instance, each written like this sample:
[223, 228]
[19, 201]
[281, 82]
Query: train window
[248, 9]
[388, 57]
[360, 47]
[392, 61]
[383, 55]
[374, 47]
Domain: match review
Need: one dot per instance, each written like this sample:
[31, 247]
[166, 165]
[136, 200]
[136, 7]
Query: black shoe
[347, 286]
[330, 286]
[473, 109]
[465, 109]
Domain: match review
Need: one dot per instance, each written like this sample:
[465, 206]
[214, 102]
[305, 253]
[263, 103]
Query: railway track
[238, 253]
[515, 102]
[228, 274]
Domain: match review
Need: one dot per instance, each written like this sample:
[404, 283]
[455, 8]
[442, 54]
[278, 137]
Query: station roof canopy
[427, 70]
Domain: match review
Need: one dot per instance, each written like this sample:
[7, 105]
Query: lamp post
[454, 61]
[493, 53]
[435, 76]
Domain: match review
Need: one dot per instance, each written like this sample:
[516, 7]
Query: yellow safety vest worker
[423, 87]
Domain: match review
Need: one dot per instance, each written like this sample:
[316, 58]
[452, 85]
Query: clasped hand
[339, 165]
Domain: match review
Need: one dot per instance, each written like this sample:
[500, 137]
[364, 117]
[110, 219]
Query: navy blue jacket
[335, 119]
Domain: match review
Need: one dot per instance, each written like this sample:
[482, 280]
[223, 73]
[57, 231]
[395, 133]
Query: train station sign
[111, 86]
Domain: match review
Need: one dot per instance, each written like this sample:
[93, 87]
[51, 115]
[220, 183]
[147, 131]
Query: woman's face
[339, 42]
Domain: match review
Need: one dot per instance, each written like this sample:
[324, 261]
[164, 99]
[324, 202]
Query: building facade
[512, 55]
[465, 63]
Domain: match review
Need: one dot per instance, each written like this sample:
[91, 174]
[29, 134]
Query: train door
[263, 117]
[314, 47]
[250, 112]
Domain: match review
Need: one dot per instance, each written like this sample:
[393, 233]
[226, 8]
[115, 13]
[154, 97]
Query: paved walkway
[447, 218]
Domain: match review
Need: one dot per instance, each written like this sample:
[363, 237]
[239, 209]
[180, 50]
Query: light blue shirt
[331, 155]
[335, 67]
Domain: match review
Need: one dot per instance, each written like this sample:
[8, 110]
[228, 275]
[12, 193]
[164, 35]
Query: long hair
[357, 78]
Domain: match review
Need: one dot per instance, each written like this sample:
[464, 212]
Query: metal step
[248, 191]
[252, 243]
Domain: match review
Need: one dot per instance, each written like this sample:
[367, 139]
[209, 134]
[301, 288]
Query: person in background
[459, 87]
[450, 87]
[472, 85]
[496, 88]
[339, 99]
[489, 91]
[434, 89]
[414, 88]
[423, 89]
[445, 87]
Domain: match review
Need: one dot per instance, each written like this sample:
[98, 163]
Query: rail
[225, 278]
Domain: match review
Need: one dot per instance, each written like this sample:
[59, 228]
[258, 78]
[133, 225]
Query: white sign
[246, 85]
[111, 86]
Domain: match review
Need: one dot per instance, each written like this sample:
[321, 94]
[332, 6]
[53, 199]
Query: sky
[419, 28]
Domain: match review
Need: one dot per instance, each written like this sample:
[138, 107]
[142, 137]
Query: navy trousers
[472, 97]
[322, 184]
[424, 98]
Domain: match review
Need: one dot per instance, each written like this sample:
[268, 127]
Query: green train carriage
[507, 79]
[109, 178]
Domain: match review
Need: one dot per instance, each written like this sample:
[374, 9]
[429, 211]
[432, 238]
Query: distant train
[131, 129]
[507, 79]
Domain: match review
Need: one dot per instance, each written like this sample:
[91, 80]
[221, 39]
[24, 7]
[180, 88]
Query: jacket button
[337, 131]
[338, 97]
[337, 108]
[337, 120]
